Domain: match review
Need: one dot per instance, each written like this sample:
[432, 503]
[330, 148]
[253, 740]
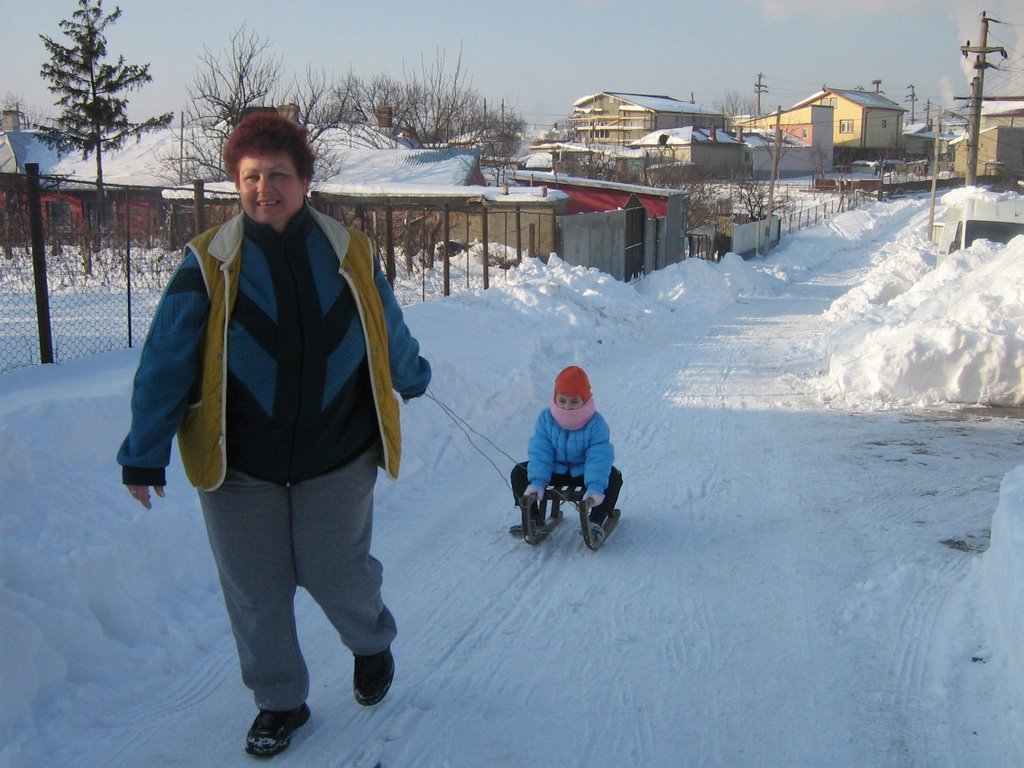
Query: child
[570, 446]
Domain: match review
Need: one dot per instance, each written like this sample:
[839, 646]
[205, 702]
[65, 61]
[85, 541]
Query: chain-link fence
[71, 287]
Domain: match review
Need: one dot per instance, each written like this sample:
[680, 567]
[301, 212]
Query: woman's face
[271, 190]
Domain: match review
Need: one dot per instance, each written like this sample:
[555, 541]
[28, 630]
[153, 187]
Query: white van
[978, 219]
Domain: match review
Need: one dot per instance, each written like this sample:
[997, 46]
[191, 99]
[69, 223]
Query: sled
[534, 531]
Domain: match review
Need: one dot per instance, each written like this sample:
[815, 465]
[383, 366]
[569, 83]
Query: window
[91, 211]
[58, 213]
[885, 123]
[846, 126]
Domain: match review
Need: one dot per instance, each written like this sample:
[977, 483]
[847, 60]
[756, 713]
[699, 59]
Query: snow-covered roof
[20, 147]
[147, 162]
[576, 147]
[764, 137]
[866, 99]
[492, 194]
[665, 104]
[453, 166]
[150, 162]
[538, 160]
[924, 131]
[684, 136]
[1003, 108]
[643, 101]
[550, 177]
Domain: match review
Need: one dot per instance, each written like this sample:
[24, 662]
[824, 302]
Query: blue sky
[539, 57]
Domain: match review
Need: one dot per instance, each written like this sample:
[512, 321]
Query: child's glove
[533, 490]
[594, 498]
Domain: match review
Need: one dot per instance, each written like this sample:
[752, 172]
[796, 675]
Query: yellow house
[865, 124]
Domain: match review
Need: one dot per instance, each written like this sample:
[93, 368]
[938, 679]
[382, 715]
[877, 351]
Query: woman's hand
[141, 494]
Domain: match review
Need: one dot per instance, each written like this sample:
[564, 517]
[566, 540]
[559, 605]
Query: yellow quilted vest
[202, 439]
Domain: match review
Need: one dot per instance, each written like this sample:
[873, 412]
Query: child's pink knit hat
[573, 381]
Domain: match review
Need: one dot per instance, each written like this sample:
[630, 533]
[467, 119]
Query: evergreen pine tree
[91, 89]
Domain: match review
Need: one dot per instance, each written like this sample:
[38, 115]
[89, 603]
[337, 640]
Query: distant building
[807, 141]
[622, 118]
[1008, 113]
[1000, 152]
[712, 149]
[919, 142]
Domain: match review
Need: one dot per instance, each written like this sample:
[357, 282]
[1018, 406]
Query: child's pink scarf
[576, 418]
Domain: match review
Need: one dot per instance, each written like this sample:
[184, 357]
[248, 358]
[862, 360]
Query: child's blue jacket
[586, 452]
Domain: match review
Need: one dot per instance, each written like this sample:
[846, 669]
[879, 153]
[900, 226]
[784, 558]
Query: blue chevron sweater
[298, 395]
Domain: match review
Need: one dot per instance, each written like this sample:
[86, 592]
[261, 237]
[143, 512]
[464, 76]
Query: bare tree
[433, 108]
[752, 198]
[440, 106]
[322, 108]
[734, 103]
[225, 85]
[501, 139]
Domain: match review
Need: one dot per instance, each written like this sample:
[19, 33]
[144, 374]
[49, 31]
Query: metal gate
[636, 223]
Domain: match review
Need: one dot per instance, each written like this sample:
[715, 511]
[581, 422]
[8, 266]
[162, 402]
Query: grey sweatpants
[268, 539]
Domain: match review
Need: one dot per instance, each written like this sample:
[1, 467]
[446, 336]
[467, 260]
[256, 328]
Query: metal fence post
[447, 291]
[35, 218]
[389, 242]
[487, 247]
[128, 259]
[519, 236]
[198, 206]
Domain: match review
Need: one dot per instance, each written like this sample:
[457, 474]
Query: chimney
[384, 118]
[11, 120]
[291, 111]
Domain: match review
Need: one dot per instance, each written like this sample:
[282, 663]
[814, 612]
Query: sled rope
[466, 428]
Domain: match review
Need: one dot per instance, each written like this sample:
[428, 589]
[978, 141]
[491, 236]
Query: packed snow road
[785, 587]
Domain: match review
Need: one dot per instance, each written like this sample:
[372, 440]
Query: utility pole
[759, 88]
[912, 98]
[776, 149]
[977, 91]
[935, 176]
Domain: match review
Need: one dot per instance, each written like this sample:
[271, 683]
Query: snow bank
[1001, 581]
[87, 594]
[918, 334]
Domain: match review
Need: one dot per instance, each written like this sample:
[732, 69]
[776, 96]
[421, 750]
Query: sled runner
[535, 528]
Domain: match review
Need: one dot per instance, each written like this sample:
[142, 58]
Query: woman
[274, 355]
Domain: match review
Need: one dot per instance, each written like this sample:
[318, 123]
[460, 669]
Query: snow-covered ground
[804, 574]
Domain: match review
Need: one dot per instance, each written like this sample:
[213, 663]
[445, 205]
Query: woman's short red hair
[267, 133]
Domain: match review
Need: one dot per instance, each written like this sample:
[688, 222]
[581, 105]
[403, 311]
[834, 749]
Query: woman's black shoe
[372, 677]
[271, 732]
